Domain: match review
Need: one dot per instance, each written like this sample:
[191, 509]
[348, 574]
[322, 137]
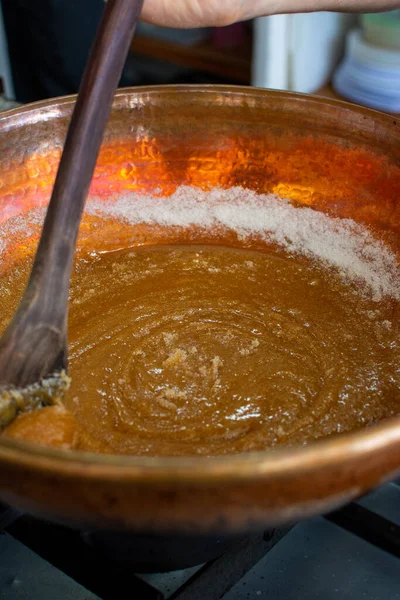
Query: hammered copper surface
[325, 154]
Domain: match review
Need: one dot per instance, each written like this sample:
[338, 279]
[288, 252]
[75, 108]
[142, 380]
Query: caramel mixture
[182, 350]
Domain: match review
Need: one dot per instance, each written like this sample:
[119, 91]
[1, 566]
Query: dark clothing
[49, 42]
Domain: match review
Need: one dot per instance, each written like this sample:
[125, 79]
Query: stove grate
[65, 549]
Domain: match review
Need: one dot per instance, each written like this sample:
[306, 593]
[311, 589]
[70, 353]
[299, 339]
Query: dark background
[49, 42]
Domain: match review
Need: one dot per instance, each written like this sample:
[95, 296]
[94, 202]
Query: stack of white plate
[370, 73]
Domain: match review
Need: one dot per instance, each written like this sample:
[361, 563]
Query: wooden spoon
[33, 349]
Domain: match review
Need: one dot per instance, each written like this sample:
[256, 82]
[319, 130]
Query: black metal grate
[369, 526]
[65, 549]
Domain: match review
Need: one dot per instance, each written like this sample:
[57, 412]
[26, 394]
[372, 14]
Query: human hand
[212, 13]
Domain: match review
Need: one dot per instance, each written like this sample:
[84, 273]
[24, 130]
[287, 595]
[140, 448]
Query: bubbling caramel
[207, 350]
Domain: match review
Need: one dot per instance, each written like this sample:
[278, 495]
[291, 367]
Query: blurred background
[44, 45]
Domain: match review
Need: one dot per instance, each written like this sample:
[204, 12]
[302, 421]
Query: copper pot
[329, 155]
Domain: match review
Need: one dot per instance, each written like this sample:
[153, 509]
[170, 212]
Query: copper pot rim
[284, 462]
[237, 90]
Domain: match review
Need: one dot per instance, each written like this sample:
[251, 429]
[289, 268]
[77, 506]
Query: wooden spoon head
[34, 345]
[48, 392]
[33, 361]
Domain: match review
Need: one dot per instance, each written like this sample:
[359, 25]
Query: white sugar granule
[22, 225]
[342, 243]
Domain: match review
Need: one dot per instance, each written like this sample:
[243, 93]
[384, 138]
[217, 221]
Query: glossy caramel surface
[182, 350]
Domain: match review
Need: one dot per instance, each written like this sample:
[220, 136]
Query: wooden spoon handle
[34, 344]
[53, 263]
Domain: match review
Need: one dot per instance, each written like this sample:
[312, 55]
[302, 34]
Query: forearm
[257, 8]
